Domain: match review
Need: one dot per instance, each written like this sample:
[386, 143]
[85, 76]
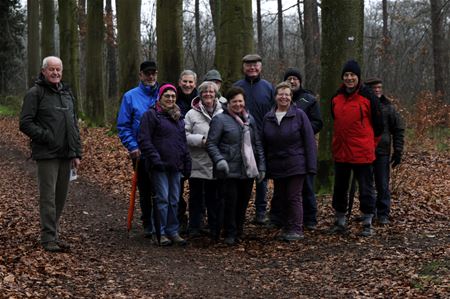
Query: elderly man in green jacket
[48, 118]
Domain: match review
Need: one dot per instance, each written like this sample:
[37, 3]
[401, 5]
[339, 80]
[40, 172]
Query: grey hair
[202, 87]
[188, 73]
[46, 60]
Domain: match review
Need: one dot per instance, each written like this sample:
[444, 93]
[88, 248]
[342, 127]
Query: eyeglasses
[170, 96]
[293, 79]
[150, 73]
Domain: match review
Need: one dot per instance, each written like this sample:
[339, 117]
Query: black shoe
[338, 229]
[367, 231]
[230, 241]
[383, 220]
[261, 219]
[310, 226]
[194, 233]
[52, 246]
[148, 233]
[63, 244]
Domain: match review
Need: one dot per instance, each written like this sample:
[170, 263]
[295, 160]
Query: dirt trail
[106, 261]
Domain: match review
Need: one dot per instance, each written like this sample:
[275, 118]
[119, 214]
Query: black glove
[396, 159]
[161, 167]
[186, 173]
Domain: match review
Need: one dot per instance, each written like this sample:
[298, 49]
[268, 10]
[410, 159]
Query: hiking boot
[194, 233]
[63, 244]
[310, 226]
[165, 241]
[177, 240]
[383, 220]
[230, 241]
[290, 237]
[338, 228]
[260, 219]
[52, 246]
[367, 231]
[148, 232]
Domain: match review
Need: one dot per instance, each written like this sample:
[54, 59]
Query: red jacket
[357, 121]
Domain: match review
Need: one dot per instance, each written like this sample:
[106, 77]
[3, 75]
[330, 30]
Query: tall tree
[12, 22]
[280, 34]
[48, 28]
[259, 33]
[169, 18]
[386, 41]
[129, 43]
[68, 42]
[440, 50]
[198, 36]
[312, 45]
[33, 49]
[235, 38]
[111, 62]
[94, 63]
[337, 47]
[82, 26]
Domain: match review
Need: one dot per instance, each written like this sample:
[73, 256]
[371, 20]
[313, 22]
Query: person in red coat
[357, 122]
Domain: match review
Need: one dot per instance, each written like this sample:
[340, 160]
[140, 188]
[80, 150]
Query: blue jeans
[166, 187]
[381, 169]
[309, 201]
[260, 198]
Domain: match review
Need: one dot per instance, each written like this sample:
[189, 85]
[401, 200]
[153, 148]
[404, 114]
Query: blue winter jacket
[259, 97]
[134, 103]
[290, 147]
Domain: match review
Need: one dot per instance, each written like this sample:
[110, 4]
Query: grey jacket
[224, 142]
[48, 118]
[196, 124]
[394, 129]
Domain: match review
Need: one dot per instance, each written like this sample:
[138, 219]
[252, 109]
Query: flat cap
[251, 58]
[148, 65]
[373, 81]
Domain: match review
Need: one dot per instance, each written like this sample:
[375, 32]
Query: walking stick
[132, 196]
[156, 219]
[351, 196]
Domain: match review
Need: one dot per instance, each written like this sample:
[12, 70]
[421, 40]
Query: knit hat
[213, 75]
[164, 88]
[373, 81]
[292, 71]
[351, 66]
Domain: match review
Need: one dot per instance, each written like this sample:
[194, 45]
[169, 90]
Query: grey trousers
[53, 180]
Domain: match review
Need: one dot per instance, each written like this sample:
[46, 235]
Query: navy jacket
[259, 97]
[308, 103]
[394, 129]
[162, 140]
[290, 147]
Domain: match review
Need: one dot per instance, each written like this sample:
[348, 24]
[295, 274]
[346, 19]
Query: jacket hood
[44, 83]
[197, 105]
[149, 90]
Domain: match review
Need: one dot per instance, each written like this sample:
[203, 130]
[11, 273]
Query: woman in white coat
[202, 185]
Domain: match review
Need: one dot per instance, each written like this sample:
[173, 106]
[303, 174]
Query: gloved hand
[260, 177]
[222, 166]
[396, 159]
[161, 167]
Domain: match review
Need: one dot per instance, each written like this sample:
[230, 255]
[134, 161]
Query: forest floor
[410, 258]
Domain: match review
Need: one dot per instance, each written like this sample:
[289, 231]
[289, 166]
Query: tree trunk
[33, 48]
[338, 46]
[169, 18]
[82, 26]
[259, 28]
[68, 43]
[440, 51]
[128, 25]
[235, 39]
[111, 64]
[94, 63]
[48, 28]
[280, 34]
[198, 37]
[312, 46]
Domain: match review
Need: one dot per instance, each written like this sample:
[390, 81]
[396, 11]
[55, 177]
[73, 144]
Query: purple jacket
[290, 147]
[162, 140]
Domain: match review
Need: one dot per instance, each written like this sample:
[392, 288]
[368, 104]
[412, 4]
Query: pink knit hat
[164, 88]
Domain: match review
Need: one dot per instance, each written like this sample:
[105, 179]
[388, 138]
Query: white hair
[48, 58]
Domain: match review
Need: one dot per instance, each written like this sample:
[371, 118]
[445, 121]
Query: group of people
[219, 146]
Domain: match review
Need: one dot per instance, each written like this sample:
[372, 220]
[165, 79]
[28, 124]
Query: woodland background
[102, 43]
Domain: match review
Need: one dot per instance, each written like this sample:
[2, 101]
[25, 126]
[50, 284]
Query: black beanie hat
[351, 66]
[292, 71]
